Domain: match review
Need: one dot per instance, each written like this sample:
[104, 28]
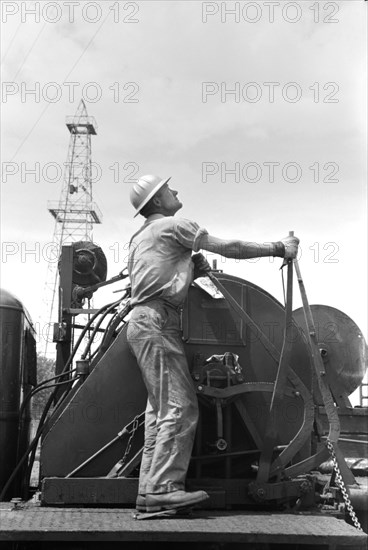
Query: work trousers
[171, 418]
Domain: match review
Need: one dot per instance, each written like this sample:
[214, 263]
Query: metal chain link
[129, 444]
[341, 485]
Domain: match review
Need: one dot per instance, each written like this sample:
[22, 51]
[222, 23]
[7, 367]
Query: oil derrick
[75, 213]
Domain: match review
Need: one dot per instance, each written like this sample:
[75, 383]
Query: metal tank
[17, 376]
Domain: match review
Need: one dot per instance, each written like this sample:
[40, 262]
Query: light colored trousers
[154, 337]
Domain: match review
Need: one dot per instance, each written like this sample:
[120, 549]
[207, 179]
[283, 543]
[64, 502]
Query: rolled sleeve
[197, 240]
[189, 234]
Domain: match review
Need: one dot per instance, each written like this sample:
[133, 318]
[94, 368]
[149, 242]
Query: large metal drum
[211, 327]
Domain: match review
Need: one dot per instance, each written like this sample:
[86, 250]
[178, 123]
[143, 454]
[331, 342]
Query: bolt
[221, 444]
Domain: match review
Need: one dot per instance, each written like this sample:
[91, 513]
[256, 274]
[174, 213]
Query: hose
[62, 397]
[97, 326]
[110, 329]
[33, 445]
[38, 388]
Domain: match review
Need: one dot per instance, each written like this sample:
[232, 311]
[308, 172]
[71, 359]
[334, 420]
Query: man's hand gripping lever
[201, 266]
[291, 247]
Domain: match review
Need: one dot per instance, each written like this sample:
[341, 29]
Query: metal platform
[32, 522]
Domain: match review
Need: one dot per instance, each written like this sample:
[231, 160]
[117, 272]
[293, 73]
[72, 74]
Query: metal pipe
[349, 440]
[236, 453]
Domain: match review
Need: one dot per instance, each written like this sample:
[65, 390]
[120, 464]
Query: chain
[129, 444]
[341, 485]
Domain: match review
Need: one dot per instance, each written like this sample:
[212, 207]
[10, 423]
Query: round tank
[17, 375]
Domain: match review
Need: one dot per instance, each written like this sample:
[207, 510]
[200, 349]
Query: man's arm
[242, 250]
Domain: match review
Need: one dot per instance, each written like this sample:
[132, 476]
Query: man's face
[170, 203]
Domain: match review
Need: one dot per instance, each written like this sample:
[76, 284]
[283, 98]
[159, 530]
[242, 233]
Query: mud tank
[278, 441]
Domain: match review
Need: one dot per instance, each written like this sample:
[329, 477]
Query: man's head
[152, 195]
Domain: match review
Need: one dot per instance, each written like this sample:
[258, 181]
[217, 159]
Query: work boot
[140, 503]
[155, 502]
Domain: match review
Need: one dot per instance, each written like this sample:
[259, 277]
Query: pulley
[89, 263]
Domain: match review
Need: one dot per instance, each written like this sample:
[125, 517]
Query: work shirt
[159, 262]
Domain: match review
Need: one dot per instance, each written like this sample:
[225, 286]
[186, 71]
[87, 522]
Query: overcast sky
[158, 77]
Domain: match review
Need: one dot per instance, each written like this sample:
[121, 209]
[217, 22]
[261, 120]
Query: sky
[257, 110]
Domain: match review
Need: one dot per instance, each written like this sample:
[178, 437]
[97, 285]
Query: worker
[161, 268]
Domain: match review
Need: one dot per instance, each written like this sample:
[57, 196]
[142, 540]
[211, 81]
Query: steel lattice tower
[75, 213]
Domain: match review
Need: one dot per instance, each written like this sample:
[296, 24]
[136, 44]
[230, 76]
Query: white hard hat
[144, 189]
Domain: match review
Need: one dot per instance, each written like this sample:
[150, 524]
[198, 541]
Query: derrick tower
[75, 212]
